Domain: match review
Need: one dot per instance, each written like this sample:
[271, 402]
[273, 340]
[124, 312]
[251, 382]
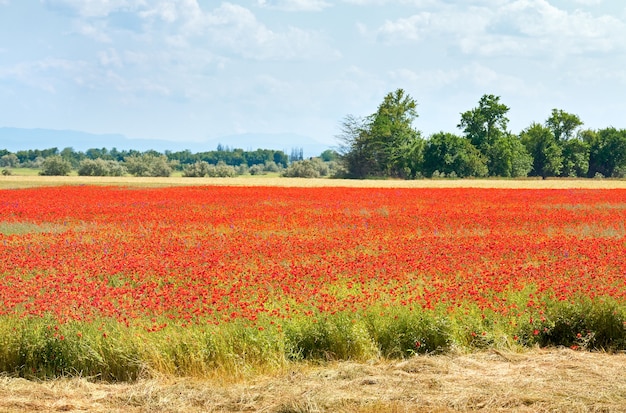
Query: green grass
[108, 350]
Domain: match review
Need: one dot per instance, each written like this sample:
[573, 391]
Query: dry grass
[556, 380]
[34, 181]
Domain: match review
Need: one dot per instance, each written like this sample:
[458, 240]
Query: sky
[198, 70]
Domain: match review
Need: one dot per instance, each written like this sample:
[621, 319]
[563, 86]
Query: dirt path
[557, 380]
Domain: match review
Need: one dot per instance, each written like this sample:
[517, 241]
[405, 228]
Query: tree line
[222, 162]
[385, 144]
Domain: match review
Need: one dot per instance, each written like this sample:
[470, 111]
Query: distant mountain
[16, 139]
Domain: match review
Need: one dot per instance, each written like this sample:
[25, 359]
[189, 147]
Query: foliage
[55, 166]
[563, 125]
[330, 155]
[448, 154]
[100, 167]
[486, 123]
[545, 150]
[575, 158]
[509, 158]
[9, 160]
[381, 144]
[607, 152]
[221, 170]
[586, 324]
[406, 332]
[308, 168]
[147, 164]
[198, 169]
[335, 337]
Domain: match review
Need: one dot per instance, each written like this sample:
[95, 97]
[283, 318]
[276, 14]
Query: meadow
[238, 280]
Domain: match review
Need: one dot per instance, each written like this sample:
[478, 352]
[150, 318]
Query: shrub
[196, 170]
[148, 165]
[10, 160]
[221, 170]
[100, 167]
[271, 166]
[308, 168]
[257, 169]
[55, 166]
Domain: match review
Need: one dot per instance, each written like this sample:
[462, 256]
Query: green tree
[55, 165]
[607, 152]
[485, 123]
[356, 155]
[329, 155]
[563, 125]
[9, 160]
[545, 150]
[377, 145]
[509, 158]
[575, 158]
[453, 155]
[392, 132]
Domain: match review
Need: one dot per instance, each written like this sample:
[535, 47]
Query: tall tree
[355, 156]
[485, 123]
[575, 157]
[545, 150]
[392, 132]
[509, 158]
[563, 124]
[380, 144]
[607, 152]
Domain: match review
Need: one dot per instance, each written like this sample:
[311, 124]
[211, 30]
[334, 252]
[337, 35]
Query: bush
[10, 160]
[221, 170]
[148, 165]
[271, 166]
[100, 167]
[196, 170]
[257, 169]
[55, 166]
[308, 168]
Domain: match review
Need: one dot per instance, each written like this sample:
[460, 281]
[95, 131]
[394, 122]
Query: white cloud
[110, 58]
[233, 29]
[526, 27]
[97, 31]
[295, 5]
[426, 79]
[46, 74]
[96, 8]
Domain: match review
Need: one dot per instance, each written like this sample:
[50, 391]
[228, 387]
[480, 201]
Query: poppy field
[116, 282]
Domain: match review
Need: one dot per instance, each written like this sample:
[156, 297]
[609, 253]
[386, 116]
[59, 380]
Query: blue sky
[195, 70]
